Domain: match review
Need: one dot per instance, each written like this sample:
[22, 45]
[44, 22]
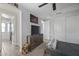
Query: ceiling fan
[53, 5]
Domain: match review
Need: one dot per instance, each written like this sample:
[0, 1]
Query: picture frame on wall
[33, 19]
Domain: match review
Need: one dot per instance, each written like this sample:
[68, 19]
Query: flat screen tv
[35, 30]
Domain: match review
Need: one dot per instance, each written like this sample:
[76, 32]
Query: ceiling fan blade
[42, 5]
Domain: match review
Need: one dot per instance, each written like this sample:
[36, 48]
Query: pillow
[52, 44]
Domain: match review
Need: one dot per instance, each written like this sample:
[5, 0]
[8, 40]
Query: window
[3, 27]
[8, 27]
[12, 27]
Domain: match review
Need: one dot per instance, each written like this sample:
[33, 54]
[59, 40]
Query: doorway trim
[18, 29]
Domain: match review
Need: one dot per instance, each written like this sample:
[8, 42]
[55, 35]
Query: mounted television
[35, 30]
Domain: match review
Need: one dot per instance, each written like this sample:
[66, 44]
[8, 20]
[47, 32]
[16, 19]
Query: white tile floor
[9, 50]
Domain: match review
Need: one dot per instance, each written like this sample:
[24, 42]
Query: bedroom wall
[72, 29]
[64, 27]
[26, 25]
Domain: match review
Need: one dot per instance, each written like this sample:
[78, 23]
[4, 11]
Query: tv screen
[35, 30]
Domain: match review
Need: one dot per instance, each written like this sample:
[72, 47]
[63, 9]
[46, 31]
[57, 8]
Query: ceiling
[46, 12]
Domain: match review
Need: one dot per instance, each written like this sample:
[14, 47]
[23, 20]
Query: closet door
[72, 29]
[59, 28]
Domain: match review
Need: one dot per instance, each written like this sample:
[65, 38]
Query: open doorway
[10, 30]
[7, 30]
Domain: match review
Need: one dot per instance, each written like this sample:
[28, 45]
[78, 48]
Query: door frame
[17, 23]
